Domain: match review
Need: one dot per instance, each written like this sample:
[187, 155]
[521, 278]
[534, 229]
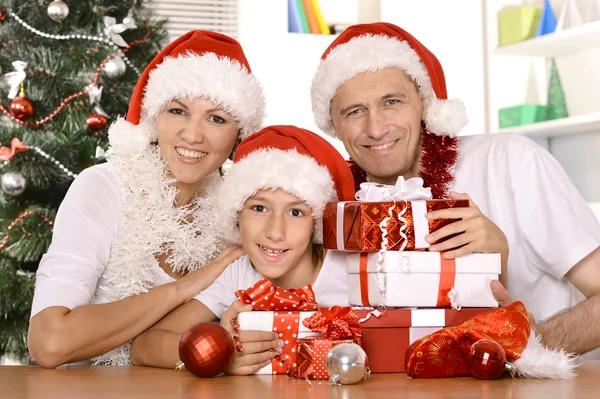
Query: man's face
[378, 117]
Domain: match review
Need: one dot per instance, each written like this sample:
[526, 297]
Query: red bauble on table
[21, 108]
[487, 359]
[206, 349]
[96, 121]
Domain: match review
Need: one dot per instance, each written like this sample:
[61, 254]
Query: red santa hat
[373, 47]
[288, 158]
[198, 64]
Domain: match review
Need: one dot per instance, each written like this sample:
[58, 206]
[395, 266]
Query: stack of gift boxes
[399, 289]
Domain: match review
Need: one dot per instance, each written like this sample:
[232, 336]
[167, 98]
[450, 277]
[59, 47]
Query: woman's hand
[202, 278]
[258, 347]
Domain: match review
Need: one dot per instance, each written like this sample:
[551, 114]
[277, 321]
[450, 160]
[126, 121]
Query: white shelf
[559, 127]
[573, 40]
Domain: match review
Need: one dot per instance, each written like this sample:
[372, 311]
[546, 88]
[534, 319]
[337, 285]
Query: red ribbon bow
[335, 322]
[16, 146]
[264, 296]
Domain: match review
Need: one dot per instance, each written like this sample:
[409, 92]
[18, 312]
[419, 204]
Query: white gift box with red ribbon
[421, 279]
[289, 327]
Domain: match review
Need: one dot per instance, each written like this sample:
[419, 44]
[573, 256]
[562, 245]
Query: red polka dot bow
[335, 322]
[264, 296]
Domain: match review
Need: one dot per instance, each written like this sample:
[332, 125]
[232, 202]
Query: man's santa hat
[373, 47]
[198, 64]
[294, 160]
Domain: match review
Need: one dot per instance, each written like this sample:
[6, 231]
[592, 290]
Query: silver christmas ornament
[115, 67]
[13, 183]
[58, 10]
[346, 364]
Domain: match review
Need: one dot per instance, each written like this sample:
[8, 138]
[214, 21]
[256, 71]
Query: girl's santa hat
[294, 160]
[198, 64]
[373, 47]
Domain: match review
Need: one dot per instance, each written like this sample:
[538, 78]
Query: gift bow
[113, 30]
[15, 78]
[95, 94]
[15, 146]
[335, 322]
[407, 190]
[264, 296]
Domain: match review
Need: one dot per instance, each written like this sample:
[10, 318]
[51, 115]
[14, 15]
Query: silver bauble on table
[58, 10]
[13, 183]
[115, 67]
[346, 364]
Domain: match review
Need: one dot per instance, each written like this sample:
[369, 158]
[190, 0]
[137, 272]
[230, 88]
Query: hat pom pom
[125, 138]
[446, 117]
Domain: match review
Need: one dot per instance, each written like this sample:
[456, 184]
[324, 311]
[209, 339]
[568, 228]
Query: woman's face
[195, 137]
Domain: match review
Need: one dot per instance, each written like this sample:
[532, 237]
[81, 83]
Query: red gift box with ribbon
[355, 225]
[421, 279]
[281, 311]
[336, 325]
[386, 337]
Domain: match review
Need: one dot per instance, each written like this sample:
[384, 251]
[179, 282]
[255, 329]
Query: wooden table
[18, 382]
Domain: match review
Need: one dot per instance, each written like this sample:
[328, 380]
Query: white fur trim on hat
[270, 168]
[370, 53]
[126, 138]
[539, 361]
[224, 81]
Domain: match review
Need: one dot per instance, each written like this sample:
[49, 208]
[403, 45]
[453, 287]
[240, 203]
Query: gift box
[386, 337]
[421, 279]
[516, 24]
[288, 325]
[521, 115]
[356, 225]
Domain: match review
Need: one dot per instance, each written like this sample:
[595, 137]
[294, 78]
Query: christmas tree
[556, 107]
[67, 69]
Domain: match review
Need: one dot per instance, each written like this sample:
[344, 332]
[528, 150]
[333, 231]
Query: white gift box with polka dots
[266, 321]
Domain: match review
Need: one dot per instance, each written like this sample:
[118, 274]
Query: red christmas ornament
[487, 359]
[21, 108]
[96, 121]
[206, 350]
[3, 14]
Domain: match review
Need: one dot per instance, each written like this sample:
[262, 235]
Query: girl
[131, 233]
[272, 202]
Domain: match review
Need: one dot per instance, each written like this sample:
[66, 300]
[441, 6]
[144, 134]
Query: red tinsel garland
[438, 156]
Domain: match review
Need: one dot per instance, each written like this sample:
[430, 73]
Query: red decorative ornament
[206, 350]
[96, 121]
[3, 15]
[21, 108]
[487, 359]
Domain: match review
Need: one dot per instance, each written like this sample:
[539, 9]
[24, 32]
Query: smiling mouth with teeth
[381, 146]
[190, 154]
[272, 252]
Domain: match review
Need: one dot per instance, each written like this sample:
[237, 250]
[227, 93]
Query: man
[384, 95]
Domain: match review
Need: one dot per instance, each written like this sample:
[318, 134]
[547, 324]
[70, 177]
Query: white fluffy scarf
[152, 225]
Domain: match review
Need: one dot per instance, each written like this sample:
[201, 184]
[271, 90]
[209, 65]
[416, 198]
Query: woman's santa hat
[198, 64]
[373, 47]
[294, 160]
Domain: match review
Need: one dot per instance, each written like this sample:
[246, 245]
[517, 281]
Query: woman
[129, 233]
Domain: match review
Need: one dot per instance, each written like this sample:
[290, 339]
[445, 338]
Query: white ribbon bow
[102, 154]
[15, 78]
[404, 190]
[113, 30]
[95, 93]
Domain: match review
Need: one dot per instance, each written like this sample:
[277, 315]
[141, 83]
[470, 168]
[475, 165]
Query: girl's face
[195, 137]
[276, 230]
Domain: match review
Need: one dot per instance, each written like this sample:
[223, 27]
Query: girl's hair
[318, 254]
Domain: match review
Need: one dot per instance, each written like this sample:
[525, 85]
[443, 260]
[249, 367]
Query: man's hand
[475, 232]
[259, 347]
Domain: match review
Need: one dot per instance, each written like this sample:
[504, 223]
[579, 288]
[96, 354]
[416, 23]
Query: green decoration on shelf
[556, 107]
[520, 115]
